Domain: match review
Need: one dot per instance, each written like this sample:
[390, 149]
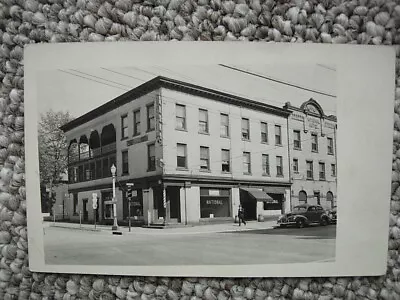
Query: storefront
[215, 203]
[136, 206]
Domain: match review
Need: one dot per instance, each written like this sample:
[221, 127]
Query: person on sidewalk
[241, 215]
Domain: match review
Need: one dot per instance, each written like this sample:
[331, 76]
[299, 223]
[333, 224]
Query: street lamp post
[115, 225]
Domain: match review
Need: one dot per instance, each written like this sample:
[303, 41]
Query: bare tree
[53, 148]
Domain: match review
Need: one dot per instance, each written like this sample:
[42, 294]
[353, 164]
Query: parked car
[332, 213]
[304, 215]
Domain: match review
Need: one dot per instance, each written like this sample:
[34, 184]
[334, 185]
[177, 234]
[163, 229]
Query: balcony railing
[93, 153]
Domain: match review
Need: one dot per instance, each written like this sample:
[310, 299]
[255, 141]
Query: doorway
[249, 206]
[174, 202]
[85, 210]
[317, 195]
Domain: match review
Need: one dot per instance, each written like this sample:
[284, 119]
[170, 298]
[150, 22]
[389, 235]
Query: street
[262, 246]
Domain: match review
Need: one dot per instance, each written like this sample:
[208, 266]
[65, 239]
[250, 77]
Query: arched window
[302, 197]
[329, 198]
[94, 144]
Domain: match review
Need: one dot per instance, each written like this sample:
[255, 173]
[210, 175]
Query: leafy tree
[53, 147]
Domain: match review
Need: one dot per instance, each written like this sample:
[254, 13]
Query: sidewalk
[212, 228]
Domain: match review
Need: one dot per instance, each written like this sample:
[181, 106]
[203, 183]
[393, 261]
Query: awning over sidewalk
[258, 195]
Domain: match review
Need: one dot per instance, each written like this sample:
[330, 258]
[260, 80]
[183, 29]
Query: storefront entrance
[174, 203]
[107, 208]
[249, 205]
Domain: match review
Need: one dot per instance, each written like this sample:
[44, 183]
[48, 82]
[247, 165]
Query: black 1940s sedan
[303, 215]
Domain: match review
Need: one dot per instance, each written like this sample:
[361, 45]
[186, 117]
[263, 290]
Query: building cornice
[176, 85]
[311, 101]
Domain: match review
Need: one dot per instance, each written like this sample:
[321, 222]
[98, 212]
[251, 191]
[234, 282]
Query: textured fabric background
[32, 21]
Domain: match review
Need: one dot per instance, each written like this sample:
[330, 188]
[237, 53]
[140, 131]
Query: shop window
[302, 197]
[215, 203]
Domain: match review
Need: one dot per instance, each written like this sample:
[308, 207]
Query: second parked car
[303, 215]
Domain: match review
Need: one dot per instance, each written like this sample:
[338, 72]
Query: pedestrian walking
[241, 215]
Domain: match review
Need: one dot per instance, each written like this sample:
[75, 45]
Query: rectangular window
[224, 125]
[278, 135]
[295, 165]
[203, 121]
[204, 158]
[151, 157]
[125, 162]
[333, 170]
[180, 117]
[245, 129]
[296, 139]
[136, 122]
[314, 142]
[310, 170]
[98, 169]
[92, 170]
[330, 145]
[246, 163]
[181, 161]
[321, 171]
[124, 127]
[150, 118]
[265, 164]
[264, 132]
[226, 165]
[279, 166]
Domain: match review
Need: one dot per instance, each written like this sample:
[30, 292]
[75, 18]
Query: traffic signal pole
[129, 196]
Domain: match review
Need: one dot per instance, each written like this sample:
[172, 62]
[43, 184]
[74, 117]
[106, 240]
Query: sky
[81, 90]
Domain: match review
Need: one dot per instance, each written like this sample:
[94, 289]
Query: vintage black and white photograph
[222, 164]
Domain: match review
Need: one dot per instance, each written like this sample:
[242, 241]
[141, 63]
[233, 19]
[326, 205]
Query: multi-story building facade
[193, 155]
[312, 155]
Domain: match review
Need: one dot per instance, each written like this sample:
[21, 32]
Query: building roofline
[292, 108]
[177, 85]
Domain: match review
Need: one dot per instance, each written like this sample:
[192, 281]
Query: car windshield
[299, 209]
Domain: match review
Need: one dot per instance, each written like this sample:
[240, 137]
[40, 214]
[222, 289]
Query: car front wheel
[324, 221]
[300, 223]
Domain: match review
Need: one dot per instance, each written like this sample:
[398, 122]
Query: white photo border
[365, 101]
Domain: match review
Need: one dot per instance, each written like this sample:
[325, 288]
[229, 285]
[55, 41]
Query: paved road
[289, 245]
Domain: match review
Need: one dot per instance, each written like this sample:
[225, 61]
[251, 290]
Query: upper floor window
[226, 165]
[136, 122]
[224, 125]
[125, 162]
[151, 157]
[296, 139]
[124, 127]
[295, 165]
[204, 158]
[180, 117]
[150, 118]
[279, 166]
[278, 135]
[265, 164]
[245, 129]
[321, 171]
[330, 145]
[181, 156]
[333, 170]
[310, 170]
[264, 132]
[314, 142]
[246, 163]
[203, 121]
